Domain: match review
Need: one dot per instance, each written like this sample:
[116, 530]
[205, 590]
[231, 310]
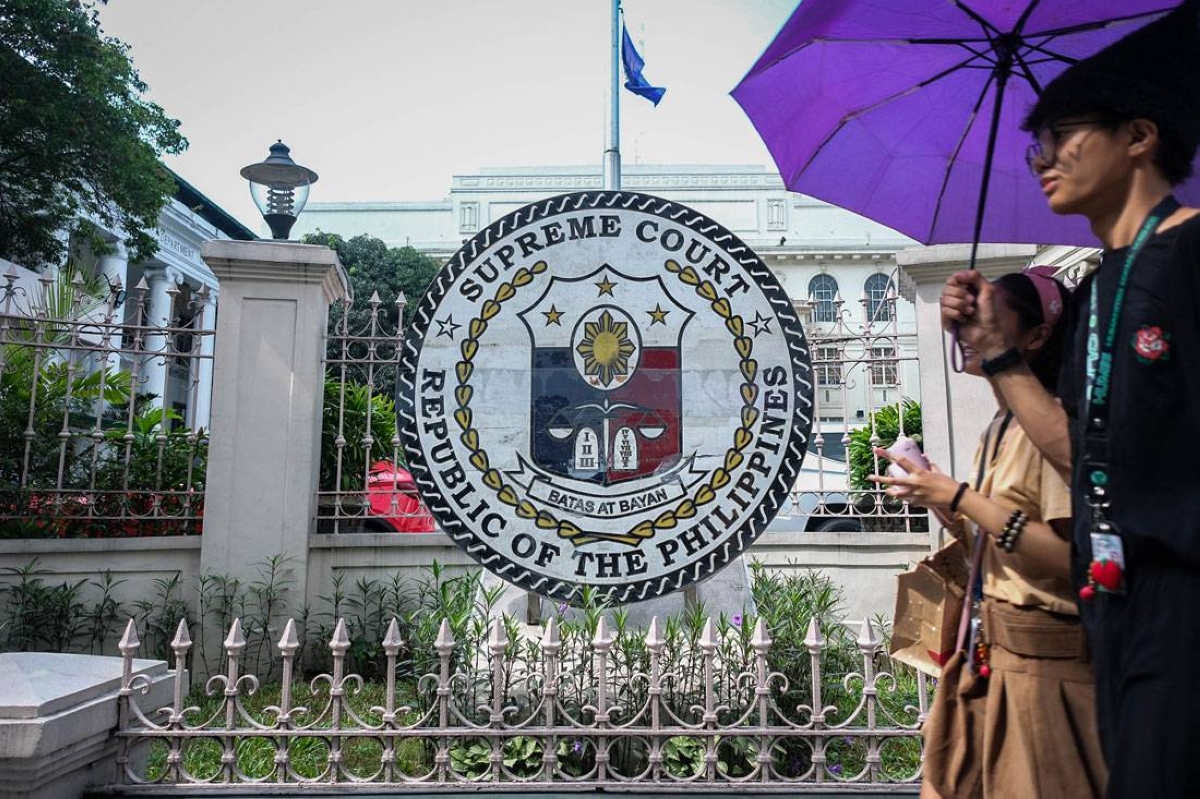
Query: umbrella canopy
[908, 111]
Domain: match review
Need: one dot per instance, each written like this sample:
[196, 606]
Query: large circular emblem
[605, 389]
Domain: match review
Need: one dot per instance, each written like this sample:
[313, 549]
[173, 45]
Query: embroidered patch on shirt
[1152, 344]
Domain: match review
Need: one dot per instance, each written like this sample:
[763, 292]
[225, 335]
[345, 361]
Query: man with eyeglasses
[1113, 135]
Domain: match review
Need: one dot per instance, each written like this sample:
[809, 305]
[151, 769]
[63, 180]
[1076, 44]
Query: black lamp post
[279, 187]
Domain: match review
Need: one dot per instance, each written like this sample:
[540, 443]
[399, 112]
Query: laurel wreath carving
[743, 436]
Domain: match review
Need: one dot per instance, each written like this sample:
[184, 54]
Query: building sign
[605, 389]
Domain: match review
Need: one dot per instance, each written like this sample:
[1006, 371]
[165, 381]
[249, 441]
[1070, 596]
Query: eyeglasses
[1044, 149]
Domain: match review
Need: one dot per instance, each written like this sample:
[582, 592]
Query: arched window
[822, 292]
[877, 289]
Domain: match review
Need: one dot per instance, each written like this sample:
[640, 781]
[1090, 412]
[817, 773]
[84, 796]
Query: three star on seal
[553, 316]
[446, 327]
[761, 324]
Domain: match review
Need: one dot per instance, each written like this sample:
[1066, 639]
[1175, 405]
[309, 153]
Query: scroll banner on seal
[605, 389]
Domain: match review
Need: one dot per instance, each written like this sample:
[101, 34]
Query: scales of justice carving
[606, 389]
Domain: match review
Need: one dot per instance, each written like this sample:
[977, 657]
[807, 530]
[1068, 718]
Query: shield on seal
[606, 394]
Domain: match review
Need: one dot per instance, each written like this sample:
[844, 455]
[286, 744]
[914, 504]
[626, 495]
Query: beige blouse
[1019, 477]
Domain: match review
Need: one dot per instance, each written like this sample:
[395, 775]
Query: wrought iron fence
[84, 451]
[581, 707]
[865, 393]
[363, 484]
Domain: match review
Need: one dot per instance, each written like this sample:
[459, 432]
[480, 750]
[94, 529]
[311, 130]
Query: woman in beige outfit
[1015, 716]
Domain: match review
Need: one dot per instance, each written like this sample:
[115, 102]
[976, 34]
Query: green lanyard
[1100, 354]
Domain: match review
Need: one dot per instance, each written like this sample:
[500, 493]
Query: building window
[827, 366]
[883, 366]
[879, 309]
[822, 293]
[776, 215]
[468, 217]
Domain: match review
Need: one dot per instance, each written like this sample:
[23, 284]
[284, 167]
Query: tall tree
[77, 138]
[375, 267]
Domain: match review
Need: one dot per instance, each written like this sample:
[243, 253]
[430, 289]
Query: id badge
[1107, 570]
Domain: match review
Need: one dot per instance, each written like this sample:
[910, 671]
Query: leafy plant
[522, 756]
[364, 421]
[576, 757]
[44, 390]
[152, 460]
[683, 756]
[884, 423]
[106, 614]
[40, 616]
[159, 615]
[736, 756]
[471, 758]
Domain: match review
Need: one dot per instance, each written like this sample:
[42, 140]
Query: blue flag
[634, 80]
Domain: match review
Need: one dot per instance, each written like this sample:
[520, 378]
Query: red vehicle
[395, 504]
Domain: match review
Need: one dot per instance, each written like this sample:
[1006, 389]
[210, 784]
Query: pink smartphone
[905, 447]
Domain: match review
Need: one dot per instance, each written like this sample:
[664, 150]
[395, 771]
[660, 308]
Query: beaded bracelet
[1007, 540]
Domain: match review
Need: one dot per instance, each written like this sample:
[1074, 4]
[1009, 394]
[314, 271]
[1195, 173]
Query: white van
[820, 500]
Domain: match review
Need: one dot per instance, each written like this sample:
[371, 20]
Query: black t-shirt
[1154, 403]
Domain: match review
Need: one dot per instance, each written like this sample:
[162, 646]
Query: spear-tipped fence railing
[83, 450]
[725, 710]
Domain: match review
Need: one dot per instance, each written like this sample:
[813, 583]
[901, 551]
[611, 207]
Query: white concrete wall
[136, 562]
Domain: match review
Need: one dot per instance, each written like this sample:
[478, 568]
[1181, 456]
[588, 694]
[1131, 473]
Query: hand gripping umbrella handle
[958, 358]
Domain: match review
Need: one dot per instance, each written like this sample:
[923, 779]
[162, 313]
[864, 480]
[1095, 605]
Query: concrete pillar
[268, 379]
[114, 267]
[955, 408]
[201, 410]
[159, 313]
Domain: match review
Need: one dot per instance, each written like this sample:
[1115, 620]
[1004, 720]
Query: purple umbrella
[908, 111]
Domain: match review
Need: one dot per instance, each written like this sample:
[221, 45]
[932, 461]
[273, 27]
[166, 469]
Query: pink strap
[964, 620]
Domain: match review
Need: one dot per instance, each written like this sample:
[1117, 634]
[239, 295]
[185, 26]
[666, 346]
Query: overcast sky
[386, 99]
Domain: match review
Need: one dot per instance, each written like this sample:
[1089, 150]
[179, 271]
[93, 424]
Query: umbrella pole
[1001, 73]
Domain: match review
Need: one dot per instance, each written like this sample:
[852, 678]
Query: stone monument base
[727, 591]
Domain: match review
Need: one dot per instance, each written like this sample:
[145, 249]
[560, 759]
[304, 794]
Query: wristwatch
[1005, 360]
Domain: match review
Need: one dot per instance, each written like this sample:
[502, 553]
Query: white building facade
[178, 287]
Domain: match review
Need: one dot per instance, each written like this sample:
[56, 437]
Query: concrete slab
[40, 684]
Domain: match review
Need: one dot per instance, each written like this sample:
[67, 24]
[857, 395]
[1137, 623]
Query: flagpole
[612, 155]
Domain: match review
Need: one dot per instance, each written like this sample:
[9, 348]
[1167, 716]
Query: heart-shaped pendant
[1107, 574]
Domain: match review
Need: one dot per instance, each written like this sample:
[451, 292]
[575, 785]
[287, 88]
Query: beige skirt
[1028, 730]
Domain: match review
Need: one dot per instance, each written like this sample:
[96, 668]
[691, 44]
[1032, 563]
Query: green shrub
[886, 424]
[363, 412]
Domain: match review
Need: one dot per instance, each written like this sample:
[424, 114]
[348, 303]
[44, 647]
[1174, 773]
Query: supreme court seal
[605, 389]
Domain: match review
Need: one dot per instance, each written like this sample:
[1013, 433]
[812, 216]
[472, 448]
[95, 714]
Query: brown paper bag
[929, 602]
[954, 751]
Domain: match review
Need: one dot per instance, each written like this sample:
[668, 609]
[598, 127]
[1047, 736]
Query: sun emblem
[606, 348]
